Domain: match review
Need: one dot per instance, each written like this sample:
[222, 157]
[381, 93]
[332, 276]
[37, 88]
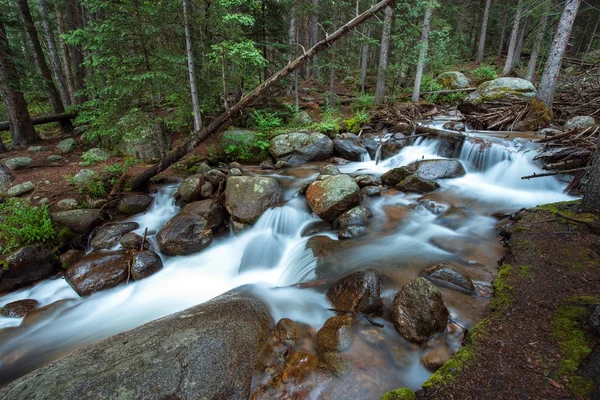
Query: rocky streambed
[357, 277]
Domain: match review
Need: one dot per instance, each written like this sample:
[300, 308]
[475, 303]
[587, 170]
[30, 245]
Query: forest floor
[532, 344]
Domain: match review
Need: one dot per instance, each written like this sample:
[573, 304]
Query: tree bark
[364, 64]
[549, 80]
[424, 43]
[384, 54]
[539, 38]
[520, 43]
[292, 40]
[502, 37]
[314, 37]
[38, 55]
[67, 65]
[332, 64]
[74, 23]
[483, 34]
[591, 197]
[514, 35]
[592, 37]
[222, 120]
[192, 68]
[21, 128]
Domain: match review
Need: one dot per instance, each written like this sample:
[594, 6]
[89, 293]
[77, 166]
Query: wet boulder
[145, 263]
[300, 147]
[435, 358]
[355, 216]
[371, 143]
[371, 191]
[109, 235]
[367, 180]
[453, 80]
[209, 351]
[353, 232]
[580, 122]
[291, 331]
[71, 257]
[79, 221]
[415, 184]
[27, 265]
[98, 271]
[449, 276]
[135, 204]
[438, 169]
[215, 177]
[331, 197]
[132, 241]
[191, 188]
[18, 309]
[418, 310]
[212, 211]
[349, 146]
[336, 334]
[246, 198]
[396, 175]
[357, 292]
[393, 145]
[329, 170]
[503, 89]
[184, 234]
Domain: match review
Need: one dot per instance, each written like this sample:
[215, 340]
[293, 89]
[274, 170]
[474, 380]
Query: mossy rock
[453, 80]
[399, 394]
[504, 89]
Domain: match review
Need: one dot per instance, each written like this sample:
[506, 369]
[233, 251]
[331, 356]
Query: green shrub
[21, 224]
[354, 123]
[97, 187]
[484, 73]
[330, 123]
[264, 120]
[363, 101]
[92, 157]
[245, 146]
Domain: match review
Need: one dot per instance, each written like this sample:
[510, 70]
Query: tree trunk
[222, 120]
[64, 54]
[21, 128]
[559, 45]
[483, 34]
[53, 51]
[292, 40]
[520, 43]
[539, 38]
[38, 55]
[364, 64]
[74, 23]
[591, 197]
[424, 43]
[314, 37]
[384, 54]
[514, 35]
[192, 68]
[589, 46]
[332, 64]
[502, 37]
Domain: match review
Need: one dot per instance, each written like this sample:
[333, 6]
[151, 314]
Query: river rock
[20, 189]
[133, 241]
[452, 218]
[215, 177]
[184, 234]
[16, 163]
[144, 264]
[235, 165]
[367, 180]
[415, 184]
[438, 169]
[453, 80]
[175, 357]
[98, 271]
[371, 143]
[435, 358]
[67, 204]
[503, 89]
[371, 191]
[291, 331]
[393, 145]
[447, 274]
[329, 170]
[358, 292]
[336, 334]
[335, 363]
[349, 146]
[353, 232]
[235, 172]
[396, 175]
[418, 310]
[84, 175]
[37, 149]
[70, 257]
[109, 235]
[18, 309]
[300, 147]
[246, 198]
[207, 190]
[331, 255]
[47, 311]
[331, 197]
[79, 221]
[267, 164]
[191, 188]
[135, 204]
[580, 122]
[67, 145]
[297, 365]
[355, 216]
[212, 211]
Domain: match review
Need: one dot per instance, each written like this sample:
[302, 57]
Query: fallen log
[565, 172]
[224, 119]
[439, 133]
[5, 126]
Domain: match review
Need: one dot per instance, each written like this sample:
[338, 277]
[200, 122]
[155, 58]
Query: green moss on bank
[503, 287]
[399, 394]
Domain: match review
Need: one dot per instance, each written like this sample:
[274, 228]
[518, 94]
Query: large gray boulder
[191, 188]
[135, 204]
[79, 221]
[438, 169]
[184, 234]
[503, 89]
[246, 198]
[453, 80]
[349, 146]
[26, 265]
[5, 178]
[331, 197]
[149, 140]
[67, 145]
[580, 122]
[300, 147]
[209, 351]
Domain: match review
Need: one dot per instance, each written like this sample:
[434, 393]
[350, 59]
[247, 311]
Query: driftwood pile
[578, 92]
[392, 114]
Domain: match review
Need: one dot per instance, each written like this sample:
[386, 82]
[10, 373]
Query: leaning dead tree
[222, 120]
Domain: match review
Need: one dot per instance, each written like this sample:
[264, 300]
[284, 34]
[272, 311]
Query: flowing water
[454, 223]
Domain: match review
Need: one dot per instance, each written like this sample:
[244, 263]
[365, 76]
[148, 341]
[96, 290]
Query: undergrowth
[22, 224]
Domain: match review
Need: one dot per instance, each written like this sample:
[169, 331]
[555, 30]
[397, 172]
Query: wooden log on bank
[5, 126]
[453, 136]
[224, 119]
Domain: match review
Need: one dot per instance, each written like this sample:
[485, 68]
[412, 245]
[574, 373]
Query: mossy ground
[399, 394]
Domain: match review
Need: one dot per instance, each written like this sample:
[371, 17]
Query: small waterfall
[479, 155]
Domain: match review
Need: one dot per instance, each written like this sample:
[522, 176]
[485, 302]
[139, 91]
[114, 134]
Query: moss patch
[399, 394]
[503, 287]
[568, 210]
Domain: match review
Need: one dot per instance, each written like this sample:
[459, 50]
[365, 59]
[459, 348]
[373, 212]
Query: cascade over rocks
[349, 146]
[208, 351]
[355, 216]
[396, 175]
[331, 255]
[415, 184]
[393, 145]
[300, 147]
[438, 169]
[184, 234]
[27, 265]
[246, 198]
[418, 310]
[367, 180]
[330, 197]
[98, 271]
[370, 142]
[358, 292]
[109, 235]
